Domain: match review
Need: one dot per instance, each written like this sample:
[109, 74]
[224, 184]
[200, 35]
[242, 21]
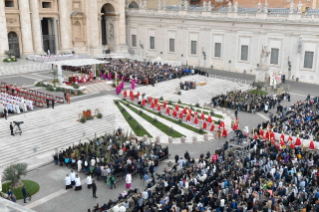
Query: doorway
[14, 43]
[48, 35]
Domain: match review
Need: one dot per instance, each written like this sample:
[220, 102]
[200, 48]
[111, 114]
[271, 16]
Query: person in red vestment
[138, 95]
[125, 94]
[292, 145]
[205, 125]
[91, 76]
[181, 115]
[190, 111]
[153, 106]
[224, 132]
[255, 136]
[196, 120]
[282, 143]
[167, 111]
[149, 100]
[261, 133]
[312, 146]
[143, 102]
[209, 119]
[235, 127]
[273, 141]
[184, 111]
[188, 118]
[298, 142]
[16, 88]
[156, 101]
[158, 107]
[282, 136]
[202, 116]
[221, 125]
[76, 80]
[212, 127]
[132, 97]
[164, 104]
[131, 93]
[272, 135]
[83, 79]
[174, 113]
[177, 107]
[289, 138]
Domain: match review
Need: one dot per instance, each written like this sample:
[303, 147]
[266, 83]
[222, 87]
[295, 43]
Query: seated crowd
[301, 119]
[265, 178]
[14, 104]
[249, 102]
[187, 85]
[145, 72]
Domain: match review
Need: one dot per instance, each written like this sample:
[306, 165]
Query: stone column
[25, 22]
[36, 28]
[4, 43]
[65, 26]
[55, 32]
[122, 27]
[94, 27]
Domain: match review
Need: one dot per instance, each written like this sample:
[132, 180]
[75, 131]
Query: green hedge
[162, 127]
[175, 121]
[132, 122]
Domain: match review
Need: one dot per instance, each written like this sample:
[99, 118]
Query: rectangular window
[288, 0]
[218, 49]
[46, 4]
[133, 40]
[152, 42]
[308, 60]
[9, 3]
[244, 53]
[172, 45]
[274, 57]
[194, 47]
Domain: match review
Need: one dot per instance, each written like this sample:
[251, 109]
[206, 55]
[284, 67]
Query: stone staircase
[46, 131]
[201, 95]
[17, 68]
[97, 87]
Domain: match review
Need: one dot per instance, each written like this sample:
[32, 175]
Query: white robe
[67, 181]
[89, 180]
[78, 182]
[128, 178]
[72, 176]
[79, 165]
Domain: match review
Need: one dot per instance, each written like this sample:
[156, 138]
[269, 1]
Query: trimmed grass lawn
[162, 127]
[31, 187]
[187, 126]
[139, 132]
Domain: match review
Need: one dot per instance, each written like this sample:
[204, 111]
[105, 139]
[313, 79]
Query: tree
[259, 85]
[13, 174]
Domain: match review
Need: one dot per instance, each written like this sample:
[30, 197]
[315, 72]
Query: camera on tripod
[17, 126]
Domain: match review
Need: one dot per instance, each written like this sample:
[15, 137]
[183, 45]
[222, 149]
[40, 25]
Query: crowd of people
[263, 177]
[13, 104]
[300, 118]
[249, 102]
[187, 85]
[145, 72]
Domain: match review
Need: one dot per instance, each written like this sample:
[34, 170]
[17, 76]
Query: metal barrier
[247, 82]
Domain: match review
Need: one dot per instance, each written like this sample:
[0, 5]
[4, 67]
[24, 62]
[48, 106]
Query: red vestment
[205, 125]
[143, 102]
[174, 113]
[312, 146]
[209, 119]
[225, 132]
[177, 107]
[167, 111]
[153, 105]
[164, 104]
[282, 137]
[184, 111]
[181, 115]
[159, 108]
[138, 95]
[125, 94]
[149, 100]
[196, 120]
[235, 127]
[298, 143]
[212, 127]
[156, 101]
[188, 118]
[202, 116]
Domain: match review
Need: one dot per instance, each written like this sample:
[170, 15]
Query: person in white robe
[67, 182]
[79, 165]
[78, 185]
[72, 176]
[89, 181]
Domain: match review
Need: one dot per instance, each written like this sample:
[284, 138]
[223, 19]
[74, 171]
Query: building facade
[229, 41]
[83, 26]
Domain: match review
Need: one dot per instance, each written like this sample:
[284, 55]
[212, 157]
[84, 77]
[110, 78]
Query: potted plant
[54, 73]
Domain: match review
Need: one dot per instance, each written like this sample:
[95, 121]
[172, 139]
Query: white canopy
[158, 59]
[80, 62]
